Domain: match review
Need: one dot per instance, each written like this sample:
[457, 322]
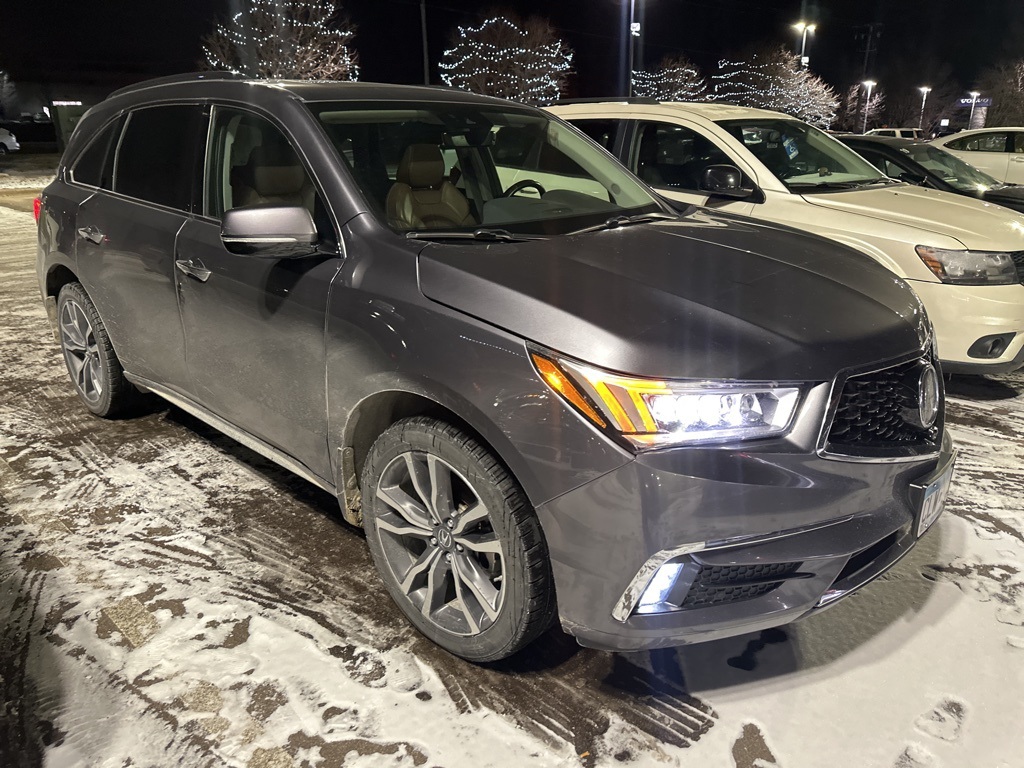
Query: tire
[92, 364]
[3, 149]
[455, 541]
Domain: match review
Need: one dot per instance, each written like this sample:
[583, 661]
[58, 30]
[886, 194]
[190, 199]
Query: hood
[1010, 197]
[708, 296]
[974, 223]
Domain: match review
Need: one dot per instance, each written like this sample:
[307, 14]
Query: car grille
[1018, 261]
[872, 416]
[720, 584]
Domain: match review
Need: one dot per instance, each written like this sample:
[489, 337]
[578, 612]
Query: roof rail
[617, 99]
[188, 77]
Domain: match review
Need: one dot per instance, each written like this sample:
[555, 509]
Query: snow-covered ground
[170, 598]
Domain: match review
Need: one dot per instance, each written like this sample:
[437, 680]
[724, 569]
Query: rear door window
[983, 142]
[157, 156]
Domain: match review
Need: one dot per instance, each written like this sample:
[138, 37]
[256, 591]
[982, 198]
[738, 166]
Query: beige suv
[963, 257]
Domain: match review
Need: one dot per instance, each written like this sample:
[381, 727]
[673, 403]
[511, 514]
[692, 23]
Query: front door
[254, 327]
[672, 159]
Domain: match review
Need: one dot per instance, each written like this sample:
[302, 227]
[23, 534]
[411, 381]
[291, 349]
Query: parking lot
[170, 597]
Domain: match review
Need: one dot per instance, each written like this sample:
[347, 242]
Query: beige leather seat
[422, 198]
[273, 175]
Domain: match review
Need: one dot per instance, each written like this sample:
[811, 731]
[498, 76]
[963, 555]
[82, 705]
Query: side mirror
[269, 232]
[724, 181]
[913, 178]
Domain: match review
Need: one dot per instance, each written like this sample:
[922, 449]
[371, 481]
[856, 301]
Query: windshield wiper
[483, 234]
[810, 185]
[624, 221]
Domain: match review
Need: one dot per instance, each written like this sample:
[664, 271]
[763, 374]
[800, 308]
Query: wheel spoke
[69, 324]
[440, 488]
[406, 506]
[403, 528]
[478, 582]
[460, 592]
[420, 476]
[95, 379]
[469, 517]
[417, 569]
[483, 543]
[435, 588]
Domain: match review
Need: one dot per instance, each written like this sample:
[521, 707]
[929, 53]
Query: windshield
[800, 156]
[950, 169]
[441, 167]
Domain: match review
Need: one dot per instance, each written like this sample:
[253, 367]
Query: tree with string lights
[850, 115]
[772, 78]
[520, 60]
[296, 39]
[675, 79]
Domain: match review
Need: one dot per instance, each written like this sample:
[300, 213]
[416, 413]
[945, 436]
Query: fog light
[988, 347]
[655, 597]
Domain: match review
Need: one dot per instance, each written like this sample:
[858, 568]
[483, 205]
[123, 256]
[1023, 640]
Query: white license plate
[932, 497]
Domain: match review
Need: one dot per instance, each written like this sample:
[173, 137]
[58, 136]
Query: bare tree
[771, 78]
[519, 60]
[8, 95]
[850, 116]
[1004, 84]
[675, 79]
[296, 39]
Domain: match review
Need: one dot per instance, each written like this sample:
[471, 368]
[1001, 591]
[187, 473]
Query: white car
[964, 257]
[999, 152]
[8, 142]
[897, 133]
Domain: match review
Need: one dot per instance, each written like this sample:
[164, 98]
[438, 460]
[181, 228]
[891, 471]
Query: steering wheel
[521, 185]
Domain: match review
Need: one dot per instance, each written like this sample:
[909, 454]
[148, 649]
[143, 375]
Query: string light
[285, 39]
[501, 58]
[774, 80]
[675, 79]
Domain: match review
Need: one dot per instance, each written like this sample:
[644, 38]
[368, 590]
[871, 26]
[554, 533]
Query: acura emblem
[928, 395]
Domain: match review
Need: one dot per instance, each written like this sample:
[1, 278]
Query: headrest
[421, 166]
[276, 171]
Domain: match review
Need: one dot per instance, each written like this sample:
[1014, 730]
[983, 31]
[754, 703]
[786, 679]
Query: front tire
[92, 364]
[455, 540]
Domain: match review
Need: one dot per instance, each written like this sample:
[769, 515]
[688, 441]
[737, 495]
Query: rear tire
[456, 541]
[92, 364]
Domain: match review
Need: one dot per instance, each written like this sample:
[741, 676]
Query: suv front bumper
[758, 540]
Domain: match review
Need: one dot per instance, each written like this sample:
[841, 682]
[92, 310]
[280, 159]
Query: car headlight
[653, 413]
[969, 267]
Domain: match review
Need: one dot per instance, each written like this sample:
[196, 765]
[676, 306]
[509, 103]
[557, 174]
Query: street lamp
[925, 90]
[867, 103]
[634, 31]
[804, 29]
[974, 101]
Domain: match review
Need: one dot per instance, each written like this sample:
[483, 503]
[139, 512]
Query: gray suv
[541, 391]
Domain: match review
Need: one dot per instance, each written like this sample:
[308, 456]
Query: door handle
[193, 269]
[91, 234]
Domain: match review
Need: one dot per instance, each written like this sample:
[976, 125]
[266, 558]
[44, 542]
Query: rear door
[1015, 168]
[127, 235]
[254, 327]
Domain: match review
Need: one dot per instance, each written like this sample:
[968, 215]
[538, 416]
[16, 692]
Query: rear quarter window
[94, 166]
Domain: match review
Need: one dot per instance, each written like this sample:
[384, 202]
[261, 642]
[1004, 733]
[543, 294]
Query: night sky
[114, 42]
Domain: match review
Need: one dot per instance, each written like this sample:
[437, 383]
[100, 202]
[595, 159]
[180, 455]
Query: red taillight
[37, 206]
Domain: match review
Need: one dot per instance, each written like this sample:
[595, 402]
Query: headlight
[969, 267]
[652, 413]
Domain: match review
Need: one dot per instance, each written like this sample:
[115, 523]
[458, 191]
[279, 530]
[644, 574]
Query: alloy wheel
[81, 351]
[438, 541]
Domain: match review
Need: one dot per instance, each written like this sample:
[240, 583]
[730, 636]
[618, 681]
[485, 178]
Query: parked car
[8, 142]
[897, 133]
[541, 397]
[999, 152]
[922, 163]
[965, 259]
